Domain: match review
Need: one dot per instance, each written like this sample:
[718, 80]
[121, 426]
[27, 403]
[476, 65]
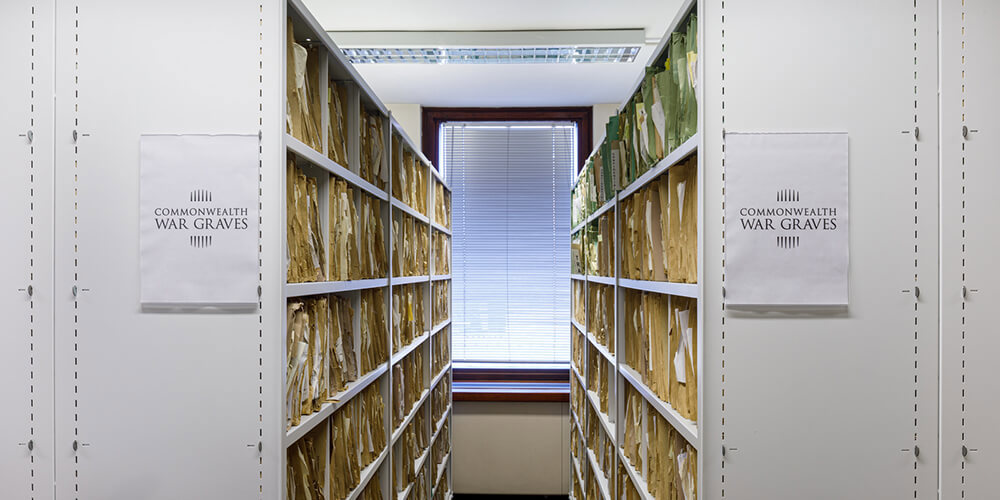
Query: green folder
[691, 113]
[652, 155]
[611, 144]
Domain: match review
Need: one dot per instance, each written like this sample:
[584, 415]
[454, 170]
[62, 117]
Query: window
[510, 252]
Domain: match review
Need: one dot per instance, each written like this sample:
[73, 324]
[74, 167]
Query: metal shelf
[578, 277]
[322, 37]
[685, 427]
[440, 425]
[398, 204]
[440, 277]
[406, 280]
[440, 326]
[417, 465]
[595, 469]
[640, 484]
[325, 287]
[367, 474]
[579, 427]
[309, 154]
[603, 350]
[578, 473]
[578, 326]
[683, 151]
[439, 227]
[439, 473]
[404, 351]
[604, 280]
[609, 426]
[603, 208]
[579, 377]
[309, 422]
[409, 418]
[415, 149]
[441, 374]
[405, 493]
[666, 287]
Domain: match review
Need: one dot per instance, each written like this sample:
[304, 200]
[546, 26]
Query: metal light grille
[493, 55]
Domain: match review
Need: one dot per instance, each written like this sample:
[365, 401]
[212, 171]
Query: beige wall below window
[511, 448]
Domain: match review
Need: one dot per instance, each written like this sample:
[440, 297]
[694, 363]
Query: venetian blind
[510, 251]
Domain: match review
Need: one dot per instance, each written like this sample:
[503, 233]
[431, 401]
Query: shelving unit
[380, 157]
[612, 202]
[907, 370]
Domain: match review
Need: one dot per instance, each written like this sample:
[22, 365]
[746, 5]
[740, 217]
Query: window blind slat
[510, 251]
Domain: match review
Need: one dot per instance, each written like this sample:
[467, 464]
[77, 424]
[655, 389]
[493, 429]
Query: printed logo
[201, 218]
[790, 217]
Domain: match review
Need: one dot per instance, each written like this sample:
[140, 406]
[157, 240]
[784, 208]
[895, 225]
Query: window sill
[511, 385]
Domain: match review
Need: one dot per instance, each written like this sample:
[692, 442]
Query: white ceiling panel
[507, 84]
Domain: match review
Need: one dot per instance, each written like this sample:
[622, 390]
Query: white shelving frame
[335, 66]
[613, 425]
[70, 194]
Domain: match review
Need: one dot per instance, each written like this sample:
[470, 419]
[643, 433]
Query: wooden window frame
[583, 116]
[501, 384]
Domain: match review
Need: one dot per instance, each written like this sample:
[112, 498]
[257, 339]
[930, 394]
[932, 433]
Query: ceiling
[507, 84]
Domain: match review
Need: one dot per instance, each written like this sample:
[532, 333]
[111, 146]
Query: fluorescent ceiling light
[493, 55]
[491, 47]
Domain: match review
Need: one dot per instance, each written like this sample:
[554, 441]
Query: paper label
[198, 219]
[682, 322]
[641, 125]
[680, 368]
[680, 200]
[615, 161]
[649, 233]
[659, 117]
[692, 69]
[786, 219]
[687, 483]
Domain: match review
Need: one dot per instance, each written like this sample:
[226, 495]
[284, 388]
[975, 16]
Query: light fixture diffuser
[493, 55]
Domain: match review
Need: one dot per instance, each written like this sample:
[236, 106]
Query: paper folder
[683, 222]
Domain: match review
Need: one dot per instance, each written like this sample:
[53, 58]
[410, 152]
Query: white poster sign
[198, 219]
[786, 202]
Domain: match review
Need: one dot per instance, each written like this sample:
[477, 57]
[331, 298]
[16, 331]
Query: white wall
[408, 115]
[601, 114]
[511, 448]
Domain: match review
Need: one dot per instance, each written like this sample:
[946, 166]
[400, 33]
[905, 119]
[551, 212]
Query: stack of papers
[408, 315]
[306, 250]
[374, 330]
